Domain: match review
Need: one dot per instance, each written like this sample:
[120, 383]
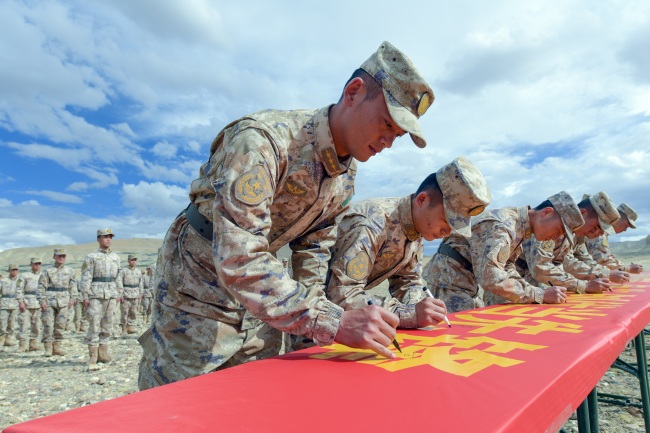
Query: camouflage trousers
[54, 320]
[8, 321]
[146, 306]
[449, 281]
[99, 314]
[128, 308]
[77, 313]
[30, 325]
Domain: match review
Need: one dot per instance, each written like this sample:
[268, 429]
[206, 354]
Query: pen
[395, 343]
[430, 295]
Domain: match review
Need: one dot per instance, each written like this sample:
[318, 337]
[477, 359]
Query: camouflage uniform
[8, 309]
[147, 295]
[599, 250]
[130, 285]
[78, 314]
[27, 294]
[98, 286]
[57, 286]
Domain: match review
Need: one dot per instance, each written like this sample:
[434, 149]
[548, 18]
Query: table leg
[642, 362]
[592, 400]
[584, 426]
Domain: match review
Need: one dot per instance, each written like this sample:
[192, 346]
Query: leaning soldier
[98, 274]
[57, 287]
[147, 294]
[30, 309]
[130, 285]
[8, 307]
[599, 247]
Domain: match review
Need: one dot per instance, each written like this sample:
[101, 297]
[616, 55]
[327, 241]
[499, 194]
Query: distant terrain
[147, 252]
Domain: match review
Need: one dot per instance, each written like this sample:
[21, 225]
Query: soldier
[147, 294]
[57, 287]
[130, 285]
[275, 177]
[463, 268]
[285, 267]
[30, 309]
[599, 247]
[381, 239]
[98, 274]
[543, 261]
[8, 307]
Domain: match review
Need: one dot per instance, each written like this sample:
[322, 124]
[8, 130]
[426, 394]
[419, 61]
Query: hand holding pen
[395, 343]
[430, 295]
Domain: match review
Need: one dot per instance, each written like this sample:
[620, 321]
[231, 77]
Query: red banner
[506, 368]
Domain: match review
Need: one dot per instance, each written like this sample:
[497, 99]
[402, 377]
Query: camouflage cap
[35, 260]
[569, 213]
[59, 252]
[133, 257]
[13, 266]
[464, 193]
[604, 207]
[629, 213]
[106, 231]
[407, 94]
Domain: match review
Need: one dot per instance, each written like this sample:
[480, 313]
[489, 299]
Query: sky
[108, 109]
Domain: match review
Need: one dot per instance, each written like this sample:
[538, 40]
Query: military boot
[130, 329]
[83, 326]
[48, 349]
[33, 345]
[2, 343]
[23, 346]
[77, 327]
[124, 333]
[102, 354]
[146, 318]
[56, 349]
[92, 361]
[10, 341]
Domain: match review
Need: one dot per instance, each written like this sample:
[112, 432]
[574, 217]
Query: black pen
[395, 343]
[430, 295]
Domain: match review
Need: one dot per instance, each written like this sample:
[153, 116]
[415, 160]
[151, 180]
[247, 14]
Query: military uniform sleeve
[119, 282]
[43, 283]
[73, 286]
[20, 289]
[581, 269]
[490, 253]
[86, 277]
[540, 259]
[406, 287]
[245, 185]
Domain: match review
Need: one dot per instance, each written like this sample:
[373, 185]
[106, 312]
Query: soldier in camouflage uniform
[598, 247]
[275, 177]
[130, 286]
[147, 294]
[466, 271]
[543, 261]
[30, 309]
[8, 307]
[99, 288]
[57, 287]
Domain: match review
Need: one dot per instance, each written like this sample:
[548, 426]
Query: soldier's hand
[86, 303]
[430, 311]
[555, 295]
[599, 285]
[372, 327]
[619, 277]
[636, 268]
[43, 306]
[70, 304]
[21, 307]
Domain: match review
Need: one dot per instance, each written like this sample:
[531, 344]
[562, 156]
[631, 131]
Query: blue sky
[107, 109]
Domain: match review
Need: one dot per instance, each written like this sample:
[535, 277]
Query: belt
[103, 280]
[198, 222]
[521, 263]
[57, 289]
[131, 286]
[29, 293]
[8, 296]
[452, 253]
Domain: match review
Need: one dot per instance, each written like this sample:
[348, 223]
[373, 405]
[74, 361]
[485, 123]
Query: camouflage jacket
[8, 299]
[495, 244]
[544, 264]
[580, 264]
[130, 282]
[99, 274]
[27, 289]
[600, 252]
[147, 286]
[57, 286]
[272, 178]
[376, 241]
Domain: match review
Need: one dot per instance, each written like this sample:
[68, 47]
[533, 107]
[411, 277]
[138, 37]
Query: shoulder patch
[548, 246]
[253, 186]
[504, 254]
[295, 189]
[359, 267]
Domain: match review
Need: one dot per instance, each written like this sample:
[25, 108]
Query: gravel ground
[32, 386]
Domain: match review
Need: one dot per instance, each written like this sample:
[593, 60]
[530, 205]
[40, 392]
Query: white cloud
[164, 150]
[155, 198]
[57, 196]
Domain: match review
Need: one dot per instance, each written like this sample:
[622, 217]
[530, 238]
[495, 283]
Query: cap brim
[631, 223]
[569, 233]
[607, 228]
[405, 119]
[459, 223]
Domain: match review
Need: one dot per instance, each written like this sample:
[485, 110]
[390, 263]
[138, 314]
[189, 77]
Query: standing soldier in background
[30, 310]
[99, 289]
[57, 287]
[8, 307]
[599, 247]
[147, 295]
[130, 285]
